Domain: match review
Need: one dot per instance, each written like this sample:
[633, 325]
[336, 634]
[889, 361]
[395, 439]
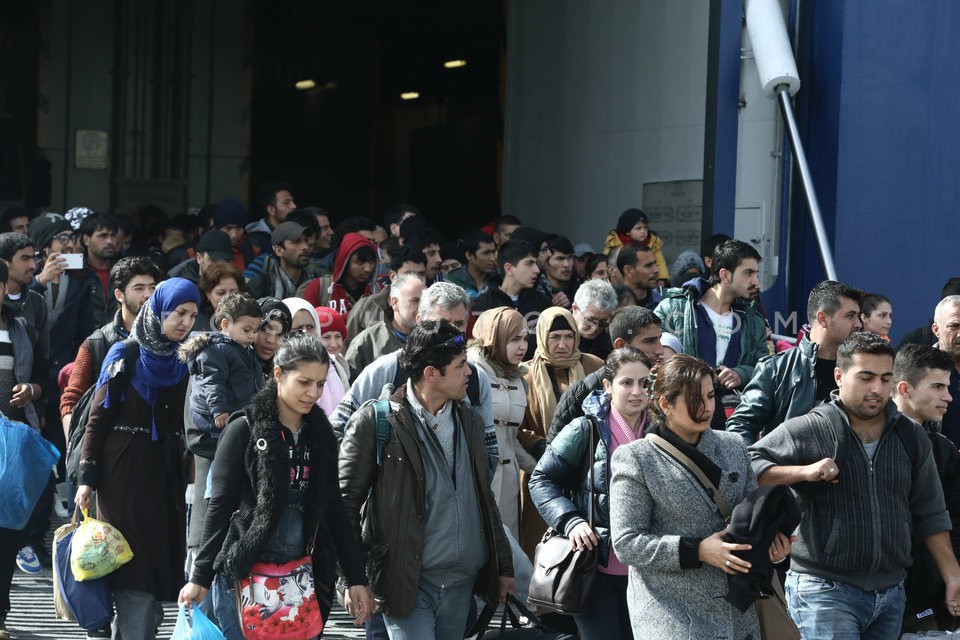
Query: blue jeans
[827, 609]
[439, 613]
[223, 593]
[608, 616]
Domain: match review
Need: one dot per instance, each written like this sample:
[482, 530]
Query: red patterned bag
[279, 602]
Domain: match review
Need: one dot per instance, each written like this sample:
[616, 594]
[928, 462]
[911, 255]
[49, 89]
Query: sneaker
[102, 632]
[60, 508]
[28, 562]
[4, 634]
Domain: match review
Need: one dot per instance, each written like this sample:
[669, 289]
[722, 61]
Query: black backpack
[81, 411]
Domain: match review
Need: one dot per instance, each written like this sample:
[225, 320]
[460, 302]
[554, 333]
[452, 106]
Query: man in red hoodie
[353, 269]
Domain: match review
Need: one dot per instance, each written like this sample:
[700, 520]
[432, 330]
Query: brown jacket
[392, 525]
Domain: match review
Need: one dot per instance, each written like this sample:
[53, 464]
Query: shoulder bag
[775, 620]
[562, 576]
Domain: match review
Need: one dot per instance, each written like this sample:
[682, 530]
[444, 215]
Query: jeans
[439, 613]
[827, 609]
[223, 594]
[136, 615]
[608, 616]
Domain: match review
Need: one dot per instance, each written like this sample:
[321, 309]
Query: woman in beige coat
[556, 365]
[499, 344]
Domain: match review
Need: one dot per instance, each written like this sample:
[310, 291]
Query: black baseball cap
[216, 244]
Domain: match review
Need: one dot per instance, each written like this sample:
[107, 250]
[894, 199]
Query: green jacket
[678, 312]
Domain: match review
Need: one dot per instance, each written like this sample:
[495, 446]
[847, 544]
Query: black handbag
[562, 576]
[772, 613]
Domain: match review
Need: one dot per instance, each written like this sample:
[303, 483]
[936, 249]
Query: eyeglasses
[64, 238]
[603, 324]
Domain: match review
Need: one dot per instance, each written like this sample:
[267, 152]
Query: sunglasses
[273, 315]
[459, 341]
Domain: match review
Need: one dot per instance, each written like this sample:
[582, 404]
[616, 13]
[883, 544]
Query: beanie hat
[274, 309]
[229, 211]
[629, 218]
[330, 320]
[44, 227]
[687, 261]
[76, 216]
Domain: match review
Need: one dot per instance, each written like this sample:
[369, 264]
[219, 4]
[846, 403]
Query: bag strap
[683, 459]
[381, 408]
[591, 454]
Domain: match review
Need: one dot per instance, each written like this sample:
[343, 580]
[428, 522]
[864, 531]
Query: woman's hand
[358, 601]
[714, 551]
[82, 499]
[780, 548]
[191, 593]
[583, 537]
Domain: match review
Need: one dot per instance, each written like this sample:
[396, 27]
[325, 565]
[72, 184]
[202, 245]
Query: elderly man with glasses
[593, 307]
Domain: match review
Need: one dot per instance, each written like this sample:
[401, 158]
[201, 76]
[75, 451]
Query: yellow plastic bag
[98, 549]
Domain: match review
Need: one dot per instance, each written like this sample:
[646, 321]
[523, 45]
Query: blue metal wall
[880, 112]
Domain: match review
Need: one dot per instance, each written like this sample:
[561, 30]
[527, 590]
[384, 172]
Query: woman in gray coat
[665, 525]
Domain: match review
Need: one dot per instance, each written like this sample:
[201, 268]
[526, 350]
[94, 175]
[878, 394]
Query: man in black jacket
[921, 390]
[632, 326]
[517, 262]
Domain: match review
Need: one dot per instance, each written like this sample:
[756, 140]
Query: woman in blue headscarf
[132, 452]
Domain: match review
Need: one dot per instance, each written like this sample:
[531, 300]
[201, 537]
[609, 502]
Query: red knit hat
[330, 320]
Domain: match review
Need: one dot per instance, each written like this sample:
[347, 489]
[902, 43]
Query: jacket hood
[195, 344]
[348, 246]
[260, 225]
[597, 404]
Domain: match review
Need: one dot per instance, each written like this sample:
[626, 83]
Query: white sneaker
[27, 561]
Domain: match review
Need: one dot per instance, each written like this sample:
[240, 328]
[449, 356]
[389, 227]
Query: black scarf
[709, 468]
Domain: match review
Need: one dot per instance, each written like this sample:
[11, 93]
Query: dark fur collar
[268, 466]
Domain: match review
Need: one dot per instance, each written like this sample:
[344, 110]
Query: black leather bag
[562, 576]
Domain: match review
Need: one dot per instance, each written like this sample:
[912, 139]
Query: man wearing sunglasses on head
[431, 529]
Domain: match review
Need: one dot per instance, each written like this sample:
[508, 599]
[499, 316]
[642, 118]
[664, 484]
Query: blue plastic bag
[202, 628]
[91, 601]
[26, 461]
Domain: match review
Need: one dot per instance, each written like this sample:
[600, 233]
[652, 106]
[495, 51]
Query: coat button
[419, 516]
[734, 476]
[416, 556]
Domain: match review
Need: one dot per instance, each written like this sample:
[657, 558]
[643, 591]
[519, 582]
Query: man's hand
[358, 601]
[53, 268]
[507, 585]
[952, 599]
[826, 471]
[729, 378]
[190, 594]
[560, 299]
[22, 394]
[221, 420]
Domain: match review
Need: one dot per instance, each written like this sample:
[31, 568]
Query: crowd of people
[415, 415]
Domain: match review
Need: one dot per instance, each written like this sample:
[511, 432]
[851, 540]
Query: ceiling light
[303, 85]
[453, 64]
[409, 95]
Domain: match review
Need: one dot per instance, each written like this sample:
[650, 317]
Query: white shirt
[723, 328]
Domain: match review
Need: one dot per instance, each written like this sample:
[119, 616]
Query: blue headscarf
[158, 366]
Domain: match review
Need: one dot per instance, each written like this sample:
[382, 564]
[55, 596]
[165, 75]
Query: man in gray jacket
[866, 480]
